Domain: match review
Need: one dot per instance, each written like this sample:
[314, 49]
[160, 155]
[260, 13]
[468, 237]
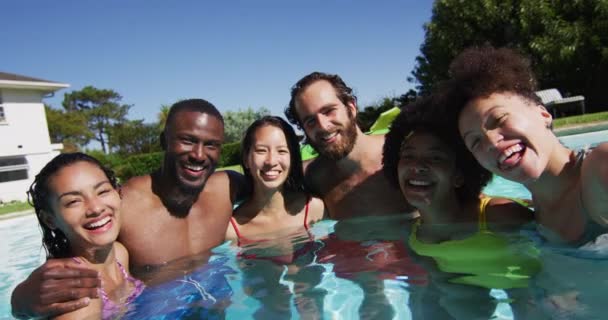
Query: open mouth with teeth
[99, 225]
[511, 156]
[194, 170]
[419, 185]
[270, 175]
[330, 137]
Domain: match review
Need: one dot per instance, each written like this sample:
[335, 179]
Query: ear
[353, 108]
[48, 219]
[547, 117]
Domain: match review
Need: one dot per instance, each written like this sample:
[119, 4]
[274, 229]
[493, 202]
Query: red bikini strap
[236, 230]
[306, 213]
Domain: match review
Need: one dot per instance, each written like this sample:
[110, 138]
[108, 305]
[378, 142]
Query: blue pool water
[353, 270]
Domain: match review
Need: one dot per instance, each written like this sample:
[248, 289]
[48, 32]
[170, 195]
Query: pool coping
[16, 214]
[580, 128]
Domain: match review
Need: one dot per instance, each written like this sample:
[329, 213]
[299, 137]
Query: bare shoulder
[136, 187]
[596, 163]
[314, 175]
[136, 194]
[507, 211]
[316, 210]
[121, 253]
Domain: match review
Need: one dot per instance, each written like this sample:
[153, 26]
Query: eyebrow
[464, 136]
[323, 108]
[76, 193]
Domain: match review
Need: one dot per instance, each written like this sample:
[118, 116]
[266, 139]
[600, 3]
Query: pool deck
[16, 214]
[578, 128]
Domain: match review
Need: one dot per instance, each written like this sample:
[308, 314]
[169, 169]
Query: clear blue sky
[236, 54]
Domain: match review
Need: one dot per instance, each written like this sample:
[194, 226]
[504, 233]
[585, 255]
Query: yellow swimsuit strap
[483, 203]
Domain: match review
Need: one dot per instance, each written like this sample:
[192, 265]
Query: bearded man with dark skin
[348, 173]
[181, 210]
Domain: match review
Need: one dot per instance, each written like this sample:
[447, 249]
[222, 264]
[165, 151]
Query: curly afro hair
[481, 71]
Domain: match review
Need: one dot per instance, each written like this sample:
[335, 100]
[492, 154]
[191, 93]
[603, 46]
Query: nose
[270, 158]
[420, 166]
[94, 206]
[198, 153]
[324, 122]
[492, 139]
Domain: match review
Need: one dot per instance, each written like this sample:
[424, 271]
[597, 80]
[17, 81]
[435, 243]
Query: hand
[58, 286]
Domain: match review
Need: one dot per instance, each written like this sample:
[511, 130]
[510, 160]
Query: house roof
[16, 81]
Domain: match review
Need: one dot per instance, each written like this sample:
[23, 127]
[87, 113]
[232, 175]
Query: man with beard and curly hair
[348, 173]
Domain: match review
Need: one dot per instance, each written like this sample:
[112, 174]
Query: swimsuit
[110, 308]
[280, 259]
[486, 259]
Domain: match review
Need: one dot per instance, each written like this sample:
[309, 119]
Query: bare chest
[155, 237]
[564, 218]
[361, 194]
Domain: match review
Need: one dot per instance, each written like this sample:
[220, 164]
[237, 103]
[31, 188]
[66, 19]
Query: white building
[25, 145]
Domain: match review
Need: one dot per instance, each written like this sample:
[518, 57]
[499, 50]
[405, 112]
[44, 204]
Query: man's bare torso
[153, 236]
[358, 189]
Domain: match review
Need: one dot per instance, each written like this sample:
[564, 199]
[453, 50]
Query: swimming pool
[355, 269]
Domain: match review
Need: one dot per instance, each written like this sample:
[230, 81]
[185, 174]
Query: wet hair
[295, 178]
[196, 105]
[344, 93]
[54, 241]
[478, 72]
[423, 116]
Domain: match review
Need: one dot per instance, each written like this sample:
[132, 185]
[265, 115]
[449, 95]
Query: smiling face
[84, 205]
[508, 135]
[193, 143]
[426, 170]
[329, 124]
[269, 159]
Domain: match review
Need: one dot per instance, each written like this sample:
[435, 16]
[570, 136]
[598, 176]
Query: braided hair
[54, 241]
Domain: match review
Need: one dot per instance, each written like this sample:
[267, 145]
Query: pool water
[356, 269]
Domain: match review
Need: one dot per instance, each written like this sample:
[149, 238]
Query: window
[2, 117]
[13, 168]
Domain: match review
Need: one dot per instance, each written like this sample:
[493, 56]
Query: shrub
[231, 154]
[138, 165]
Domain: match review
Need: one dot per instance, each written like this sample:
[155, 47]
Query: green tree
[162, 115]
[567, 41]
[135, 137]
[369, 114]
[69, 128]
[236, 122]
[102, 109]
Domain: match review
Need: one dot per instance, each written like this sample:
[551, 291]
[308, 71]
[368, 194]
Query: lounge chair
[553, 101]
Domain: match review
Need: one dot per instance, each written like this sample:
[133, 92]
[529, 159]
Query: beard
[337, 151]
[179, 198]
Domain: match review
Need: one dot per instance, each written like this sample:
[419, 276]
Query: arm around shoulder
[508, 212]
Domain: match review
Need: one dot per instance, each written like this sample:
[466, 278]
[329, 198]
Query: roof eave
[33, 85]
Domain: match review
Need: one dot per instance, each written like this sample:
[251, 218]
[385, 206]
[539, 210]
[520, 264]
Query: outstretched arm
[58, 286]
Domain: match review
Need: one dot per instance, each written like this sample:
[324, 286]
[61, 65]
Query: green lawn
[14, 206]
[585, 118]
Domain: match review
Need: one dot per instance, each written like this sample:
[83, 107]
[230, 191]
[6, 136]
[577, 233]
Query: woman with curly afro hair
[458, 225]
[508, 130]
